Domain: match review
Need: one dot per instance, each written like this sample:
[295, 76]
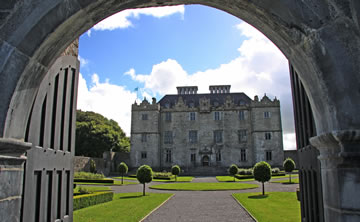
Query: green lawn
[116, 183]
[204, 186]
[125, 207]
[274, 206]
[293, 180]
[179, 179]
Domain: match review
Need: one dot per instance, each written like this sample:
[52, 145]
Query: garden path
[202, 205]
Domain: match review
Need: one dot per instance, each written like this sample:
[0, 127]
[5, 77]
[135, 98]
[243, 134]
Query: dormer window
[191, 104]
[167, 105]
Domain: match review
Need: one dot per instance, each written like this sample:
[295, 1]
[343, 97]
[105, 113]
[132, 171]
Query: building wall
[205, 124]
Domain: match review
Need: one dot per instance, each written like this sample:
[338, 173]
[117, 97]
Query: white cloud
[110, 100]
[121, 19]
[83, 62]
[260, 68]
[289, 141]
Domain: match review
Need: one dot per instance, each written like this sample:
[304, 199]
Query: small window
[218, 136]
[217, 115]
[243, 155]
[218, 156]
[167, 105]
[191, 104]
[143, 137]
[193, 136]
[241, 102]
[216, 103]
[143, 155]
[267, 136]
[168, 156]
[268, 155]
[168, 137]
[242, 135]
[168, 117]
[144, 116]
[192, 116]
[193, 157]
[241, 115]
[267, 114]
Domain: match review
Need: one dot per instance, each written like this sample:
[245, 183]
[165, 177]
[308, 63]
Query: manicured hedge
[87, 175]
[82, 201]
[111, 181]
[238, 176]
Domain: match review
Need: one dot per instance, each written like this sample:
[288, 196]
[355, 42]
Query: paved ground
[202, 205]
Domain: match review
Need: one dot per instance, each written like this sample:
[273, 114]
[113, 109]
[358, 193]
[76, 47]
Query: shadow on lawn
[131, 197]
[259, 196]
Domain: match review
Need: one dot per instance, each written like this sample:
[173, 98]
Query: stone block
[10, 210]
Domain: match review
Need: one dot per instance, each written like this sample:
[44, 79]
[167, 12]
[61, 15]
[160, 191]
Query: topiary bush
[123, 169]
[262, 173]
[175, 170]
[289, 166]
[233, 170]
[144, 175]
[92, 166]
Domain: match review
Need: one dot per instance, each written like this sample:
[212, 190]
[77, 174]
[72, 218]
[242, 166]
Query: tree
[262, 173]
[123, 169]
[92, 166]
[95, 134]
[289, 166]
[233, 170]
[175, 170]
[144, 175]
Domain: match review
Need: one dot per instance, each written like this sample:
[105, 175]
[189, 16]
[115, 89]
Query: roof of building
[215, 99]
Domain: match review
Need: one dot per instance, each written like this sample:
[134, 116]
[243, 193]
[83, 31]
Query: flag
[136, 89]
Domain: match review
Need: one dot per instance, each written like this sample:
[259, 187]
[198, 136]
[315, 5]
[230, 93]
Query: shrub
[83, 190]
[86, 175]
[110, 181]
[82, 201]
[275, 170]
[162, 175]
[289, 166]
[262, 173]
[144, 175]
[123, 169]
[92, 166]
[175, 170]
[233, 170]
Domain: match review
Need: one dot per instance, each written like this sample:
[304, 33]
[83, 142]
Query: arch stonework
[320, 38]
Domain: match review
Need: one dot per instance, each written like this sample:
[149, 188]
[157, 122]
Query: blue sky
[157, 49]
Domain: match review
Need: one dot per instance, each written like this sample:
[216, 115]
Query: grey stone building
[206, 131]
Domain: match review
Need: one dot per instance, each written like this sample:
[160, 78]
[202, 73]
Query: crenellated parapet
[265, 102]
[145, 105]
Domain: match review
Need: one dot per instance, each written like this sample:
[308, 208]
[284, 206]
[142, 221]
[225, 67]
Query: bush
[110, 181]
[123, 169]
[275, 170]
[86, 175]
[82, 201]
[144, 175]
[92, 166]
[262, 173]
[233, 170]
[289, 166]
[162, 175]
[175, 170]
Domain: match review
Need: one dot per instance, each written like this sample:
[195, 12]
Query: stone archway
[205, 161]
[320, 38]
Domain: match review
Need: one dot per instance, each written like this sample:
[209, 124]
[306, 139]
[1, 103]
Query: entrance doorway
[205, 161]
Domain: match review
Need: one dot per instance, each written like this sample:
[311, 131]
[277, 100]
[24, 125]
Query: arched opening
[320, 39]
[205, 161]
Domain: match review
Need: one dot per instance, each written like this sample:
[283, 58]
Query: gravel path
[202, 205]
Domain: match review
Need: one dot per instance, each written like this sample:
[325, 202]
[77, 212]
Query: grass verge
[231, 179]
[124, 207]
[293, 181]
[179, 179]
[92, 189]
[204, 186]
[116, 183]
[274, 206]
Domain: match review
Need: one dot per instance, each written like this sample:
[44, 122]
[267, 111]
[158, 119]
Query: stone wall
[83, 164]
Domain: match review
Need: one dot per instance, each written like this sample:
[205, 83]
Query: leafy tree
[289, 166]
[96, 134]
[144, 175]
[175, 170]
[233, 170]
[262, 173]
[123, 169]
[92, 166]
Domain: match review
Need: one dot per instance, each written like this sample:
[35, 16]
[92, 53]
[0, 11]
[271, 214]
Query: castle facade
[212, 131]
